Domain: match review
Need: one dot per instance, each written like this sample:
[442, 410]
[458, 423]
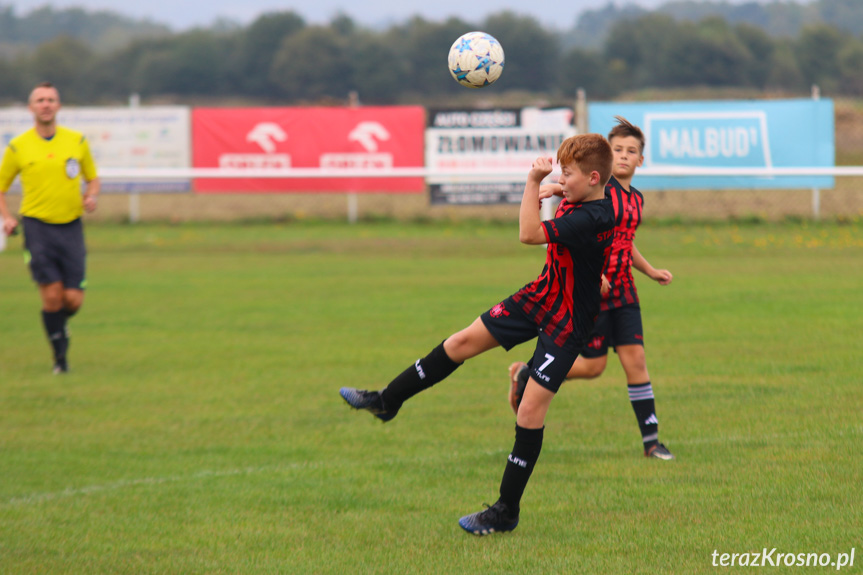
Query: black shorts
[510, 327]
[56, 252]
[618, 326]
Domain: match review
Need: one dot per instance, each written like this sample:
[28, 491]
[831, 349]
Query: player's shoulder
[68, 134]
[614, 186]
[599, 213]
[602, 209]
[606, 218]
[23, 139]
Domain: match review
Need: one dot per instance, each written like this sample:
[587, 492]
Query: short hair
[591, 152]
[45, 84]
[626, 128]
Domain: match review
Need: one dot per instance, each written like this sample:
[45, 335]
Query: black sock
[519, 466]
[423, 374]
[641, 397]
[55, 329]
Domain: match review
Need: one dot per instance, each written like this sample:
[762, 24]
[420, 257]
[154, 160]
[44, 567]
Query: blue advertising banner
[750, 135]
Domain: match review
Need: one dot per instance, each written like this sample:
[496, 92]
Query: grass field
[200, 430]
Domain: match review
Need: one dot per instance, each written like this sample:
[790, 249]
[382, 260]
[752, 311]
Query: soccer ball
[476, 60]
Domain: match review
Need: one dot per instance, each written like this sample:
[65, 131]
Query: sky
[559, 14]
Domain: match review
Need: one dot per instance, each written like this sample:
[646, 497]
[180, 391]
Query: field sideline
[200, 430]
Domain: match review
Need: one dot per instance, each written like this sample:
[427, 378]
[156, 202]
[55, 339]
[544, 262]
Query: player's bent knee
[530, 416]
[460, 347]
[587, 368]
[455, 344]
[73, 299]
[52, 304]
[633, 358]
[594, 371]
[595, 367]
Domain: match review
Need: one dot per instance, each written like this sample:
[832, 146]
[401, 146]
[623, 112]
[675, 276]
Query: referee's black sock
[423, 374]
[55, 329]
[641, 397]
[519, 466]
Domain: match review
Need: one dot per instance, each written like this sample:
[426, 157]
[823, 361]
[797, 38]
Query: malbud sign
[330, 138]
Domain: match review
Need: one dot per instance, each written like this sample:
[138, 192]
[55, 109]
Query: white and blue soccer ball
[476, 60]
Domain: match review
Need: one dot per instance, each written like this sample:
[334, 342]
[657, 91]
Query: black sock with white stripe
[519, 466]
[55, 329]
[424, 373]
[641, 397]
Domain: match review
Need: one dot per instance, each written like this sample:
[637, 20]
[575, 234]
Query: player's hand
[549, 190]
[89, 203]
[10, 226]
[606, 285]
[664, 277]
[540, 169]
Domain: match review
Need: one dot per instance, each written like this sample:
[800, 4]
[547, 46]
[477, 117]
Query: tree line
[280, 58]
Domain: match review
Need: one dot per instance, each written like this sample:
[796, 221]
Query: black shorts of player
[618, 326]
[56, 252]
[510, 327]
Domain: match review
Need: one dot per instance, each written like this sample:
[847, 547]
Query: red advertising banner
[332, 138]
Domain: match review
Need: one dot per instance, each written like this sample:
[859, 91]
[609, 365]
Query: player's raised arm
[549, 190]
[530, 229]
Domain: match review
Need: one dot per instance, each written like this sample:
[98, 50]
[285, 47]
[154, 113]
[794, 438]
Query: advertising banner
[326, 138]
[733, 134]
[502, 142]
[146, 137]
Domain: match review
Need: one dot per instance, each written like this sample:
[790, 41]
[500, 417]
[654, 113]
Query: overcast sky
[560, 14]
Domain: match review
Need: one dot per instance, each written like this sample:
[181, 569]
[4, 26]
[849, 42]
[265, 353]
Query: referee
[52, 160]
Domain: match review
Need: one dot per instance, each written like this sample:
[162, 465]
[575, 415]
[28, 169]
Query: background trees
[100, 57]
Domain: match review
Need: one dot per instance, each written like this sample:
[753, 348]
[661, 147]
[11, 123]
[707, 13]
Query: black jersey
[564, 300]
[628, 206]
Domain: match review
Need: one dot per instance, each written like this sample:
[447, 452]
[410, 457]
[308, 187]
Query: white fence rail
[438, 176]
[449, 176]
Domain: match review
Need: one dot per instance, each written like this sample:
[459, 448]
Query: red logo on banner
[333, 138]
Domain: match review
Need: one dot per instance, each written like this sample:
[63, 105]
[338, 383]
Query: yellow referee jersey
[50, 173]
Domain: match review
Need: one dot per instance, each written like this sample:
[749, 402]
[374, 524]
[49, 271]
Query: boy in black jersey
[619, 323]
[558, 309]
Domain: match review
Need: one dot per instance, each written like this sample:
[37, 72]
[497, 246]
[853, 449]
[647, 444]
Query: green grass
[200, 430]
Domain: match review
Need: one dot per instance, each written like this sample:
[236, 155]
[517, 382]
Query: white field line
[35, 498]
[127, 483]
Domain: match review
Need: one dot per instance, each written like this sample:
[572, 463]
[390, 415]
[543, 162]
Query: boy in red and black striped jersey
[557, 309]
[619, 323]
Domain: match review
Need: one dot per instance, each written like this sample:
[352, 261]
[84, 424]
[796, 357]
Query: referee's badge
[73, 168]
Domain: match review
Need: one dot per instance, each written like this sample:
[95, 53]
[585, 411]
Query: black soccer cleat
[658, 451]
[371, 401]
[60, 367]
[494, 519]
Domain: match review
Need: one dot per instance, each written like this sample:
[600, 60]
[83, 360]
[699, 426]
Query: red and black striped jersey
[564, 300]
[628, 207]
